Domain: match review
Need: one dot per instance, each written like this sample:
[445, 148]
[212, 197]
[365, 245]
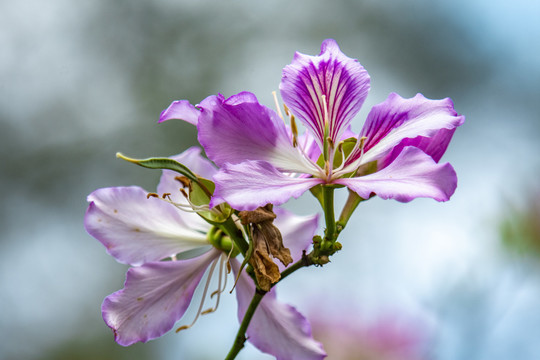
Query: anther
[166, 196]
[184, 193]
[184, 180]
[152, 195]
[287, 112]
[183, 327]
[294, 130]
[330, 142]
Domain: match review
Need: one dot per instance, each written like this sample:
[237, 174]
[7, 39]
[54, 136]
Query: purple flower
[169, 251]
[262, 160]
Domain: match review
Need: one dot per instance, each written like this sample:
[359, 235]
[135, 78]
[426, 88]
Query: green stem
[328, 196]
[303, 262]
[230, 229]
[352, 202]
[241, 334]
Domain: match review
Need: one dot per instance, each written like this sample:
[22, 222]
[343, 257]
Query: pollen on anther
[152, 195]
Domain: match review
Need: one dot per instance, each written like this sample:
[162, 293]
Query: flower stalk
[240, 339]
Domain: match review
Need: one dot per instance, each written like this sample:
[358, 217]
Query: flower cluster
[206, 213]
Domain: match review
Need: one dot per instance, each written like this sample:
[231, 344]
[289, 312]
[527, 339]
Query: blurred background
[80, 81]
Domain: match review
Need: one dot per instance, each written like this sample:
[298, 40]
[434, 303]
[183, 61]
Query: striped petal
[239, 128]
[412, 174]
[342, 80]
[155, 296]
[251, 184]
[136, 230]
[397, 119]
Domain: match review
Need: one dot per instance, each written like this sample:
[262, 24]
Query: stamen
[152, 195]
[219, 290]
[294, 130]
[184, 180]
[184, 193]
[358, 152]
[166, 196]
[325, 109]
[287, 112]
[330, 142]
[274, 94]
[185, 327]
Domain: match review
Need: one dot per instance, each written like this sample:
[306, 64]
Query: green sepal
[161, 163]
[200, 193]
[341, 153]
[317, 191]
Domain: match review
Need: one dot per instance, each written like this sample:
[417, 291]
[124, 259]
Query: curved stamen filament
[185, 327]
[277, 105]
[358, 152]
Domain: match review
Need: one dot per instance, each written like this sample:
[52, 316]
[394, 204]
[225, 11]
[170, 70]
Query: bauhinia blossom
[262, 160]
[170, 250]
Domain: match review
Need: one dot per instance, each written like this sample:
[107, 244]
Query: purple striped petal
[396, 119]
[239, 128]
[343, 81]
[435, 146]
[276, 328]
[297, 232]
[136, 230]
[251, 184]
[155, 296]
[412, 174]
[182, 110]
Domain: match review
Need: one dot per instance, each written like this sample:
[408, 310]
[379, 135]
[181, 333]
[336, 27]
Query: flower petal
[297, 231]
[182, 110]
[251, 184]
[412, 174]
[154, 297]
[135, 229]
[397, 118]
[435, 146]
[239, 129]
[343, 81]
[276, 328]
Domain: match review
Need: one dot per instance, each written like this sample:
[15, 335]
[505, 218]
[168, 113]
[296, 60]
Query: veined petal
[239, 128]
[199, 165]
[251, 184]
[397, 118]
[276, 328]
[297, 232]
[435, 146]
[136, 230]
[343, 81]
[412, 174]
[182, 110]
[154, 297]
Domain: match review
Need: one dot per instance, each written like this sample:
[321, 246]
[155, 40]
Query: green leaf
[161, 163]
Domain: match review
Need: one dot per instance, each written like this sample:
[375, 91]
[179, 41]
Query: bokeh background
[80, 81]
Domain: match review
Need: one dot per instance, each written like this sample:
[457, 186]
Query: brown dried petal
[272, 237]
[266, 272]
[257, 216]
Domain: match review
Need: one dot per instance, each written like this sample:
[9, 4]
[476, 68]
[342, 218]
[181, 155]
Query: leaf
[161, 163]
